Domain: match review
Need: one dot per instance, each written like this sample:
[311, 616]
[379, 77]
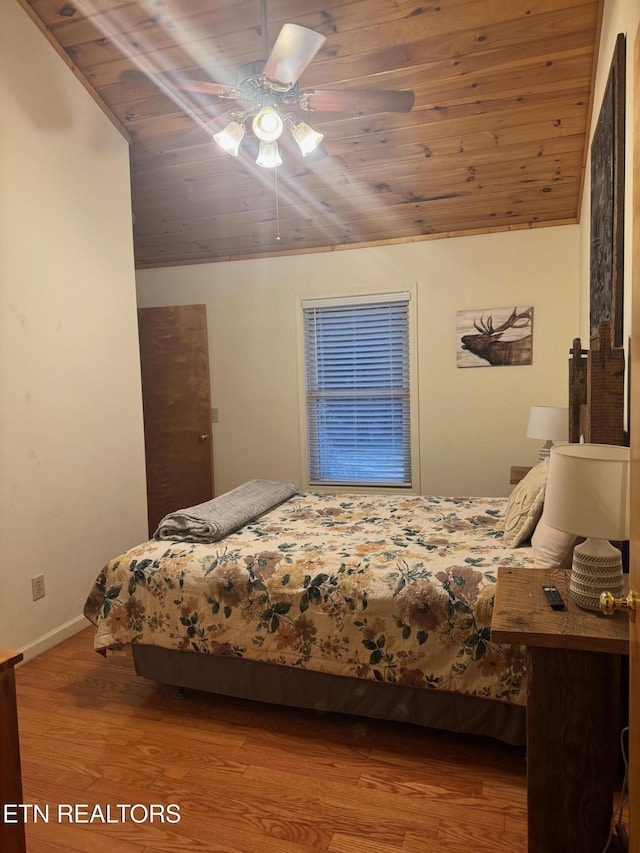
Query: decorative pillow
[525, 505]
[552, 548]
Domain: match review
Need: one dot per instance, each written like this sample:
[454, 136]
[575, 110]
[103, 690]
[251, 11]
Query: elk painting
[495, 337]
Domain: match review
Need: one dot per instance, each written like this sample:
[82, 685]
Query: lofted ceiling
[496, 138]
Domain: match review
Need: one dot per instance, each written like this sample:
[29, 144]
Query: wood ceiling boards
[496, 139]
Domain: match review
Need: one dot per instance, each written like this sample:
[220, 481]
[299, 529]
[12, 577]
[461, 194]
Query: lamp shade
[587, 490]
[548, 422]
[268, 155]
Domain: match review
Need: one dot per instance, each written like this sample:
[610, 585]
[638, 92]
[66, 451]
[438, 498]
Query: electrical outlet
[37, 587]
[214, 416]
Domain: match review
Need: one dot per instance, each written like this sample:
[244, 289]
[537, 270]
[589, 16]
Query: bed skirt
[264, 682]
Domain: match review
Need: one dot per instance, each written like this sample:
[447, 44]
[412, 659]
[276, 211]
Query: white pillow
[525, 505]
[552, 548]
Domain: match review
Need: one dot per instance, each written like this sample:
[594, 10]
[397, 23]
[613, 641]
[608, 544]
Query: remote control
[553, 597]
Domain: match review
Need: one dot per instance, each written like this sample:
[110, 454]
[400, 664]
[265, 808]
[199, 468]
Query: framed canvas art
[495, 337]
[607, 203]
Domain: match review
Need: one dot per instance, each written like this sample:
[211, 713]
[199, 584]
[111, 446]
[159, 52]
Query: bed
[376, 605]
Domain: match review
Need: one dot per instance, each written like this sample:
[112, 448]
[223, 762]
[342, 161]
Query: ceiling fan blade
[204, 87]
[294, 49]
[204, 131]
[360, 101]
[176, 81]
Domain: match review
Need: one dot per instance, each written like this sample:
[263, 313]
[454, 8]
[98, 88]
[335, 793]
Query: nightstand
[573, 673]
[518, 473]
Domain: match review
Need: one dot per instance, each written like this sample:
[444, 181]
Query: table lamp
[550, 423]
[587, 494]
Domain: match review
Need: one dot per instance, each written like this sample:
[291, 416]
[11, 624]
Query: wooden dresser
[11, 834]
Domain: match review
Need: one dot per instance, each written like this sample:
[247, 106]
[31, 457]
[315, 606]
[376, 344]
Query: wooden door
[634, 410]
[176, 396]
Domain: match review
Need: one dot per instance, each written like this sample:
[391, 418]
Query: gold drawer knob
[609, 604]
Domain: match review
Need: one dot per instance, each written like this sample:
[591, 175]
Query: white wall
[620, 16]
[72, 489]
[472, 421]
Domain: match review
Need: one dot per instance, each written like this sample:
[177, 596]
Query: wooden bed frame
[596, 391]
[596, 411]
[322, 693]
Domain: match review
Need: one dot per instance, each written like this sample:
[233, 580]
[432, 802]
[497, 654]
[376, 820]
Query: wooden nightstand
[518, 473]
[573, 672]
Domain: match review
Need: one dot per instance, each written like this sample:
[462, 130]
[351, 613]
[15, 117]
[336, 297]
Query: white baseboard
[53, 638]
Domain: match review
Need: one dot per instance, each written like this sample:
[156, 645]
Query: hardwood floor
[248, 778]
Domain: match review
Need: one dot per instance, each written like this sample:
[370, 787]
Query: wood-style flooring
[247, 777]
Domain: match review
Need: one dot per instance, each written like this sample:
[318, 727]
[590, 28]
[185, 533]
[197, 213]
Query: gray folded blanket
[210, 521]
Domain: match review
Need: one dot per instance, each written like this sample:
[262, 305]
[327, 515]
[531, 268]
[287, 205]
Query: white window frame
[360, 297]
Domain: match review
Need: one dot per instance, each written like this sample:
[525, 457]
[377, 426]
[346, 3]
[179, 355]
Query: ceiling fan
[270, 97]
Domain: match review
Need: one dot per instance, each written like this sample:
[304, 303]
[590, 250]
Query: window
[356, 354]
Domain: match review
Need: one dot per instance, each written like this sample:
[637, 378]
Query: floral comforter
[396, 589]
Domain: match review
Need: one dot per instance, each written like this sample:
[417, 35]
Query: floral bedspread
[390, 588]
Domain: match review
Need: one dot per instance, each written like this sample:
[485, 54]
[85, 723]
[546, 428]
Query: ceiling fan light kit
[268, 126]
[272, 97]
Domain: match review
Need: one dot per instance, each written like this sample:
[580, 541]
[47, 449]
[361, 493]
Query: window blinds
[357, 384]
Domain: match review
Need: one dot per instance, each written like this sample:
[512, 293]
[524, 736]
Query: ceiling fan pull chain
[275, 174]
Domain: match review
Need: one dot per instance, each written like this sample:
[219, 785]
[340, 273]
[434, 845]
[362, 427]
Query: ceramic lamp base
[596, 568]
[545, 450]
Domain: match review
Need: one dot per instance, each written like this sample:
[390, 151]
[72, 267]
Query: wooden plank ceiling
[496, 139]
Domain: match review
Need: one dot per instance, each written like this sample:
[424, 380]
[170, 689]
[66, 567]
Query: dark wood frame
[607, 202]
[596, 391]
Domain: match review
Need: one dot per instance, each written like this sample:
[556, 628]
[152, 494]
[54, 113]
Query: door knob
[204, 436]
[609, 604]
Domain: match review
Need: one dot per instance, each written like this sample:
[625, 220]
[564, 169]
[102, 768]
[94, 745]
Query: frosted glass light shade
[269, 156]
[548, 422]
[587, 490]
[307, 138]
[230, 137]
